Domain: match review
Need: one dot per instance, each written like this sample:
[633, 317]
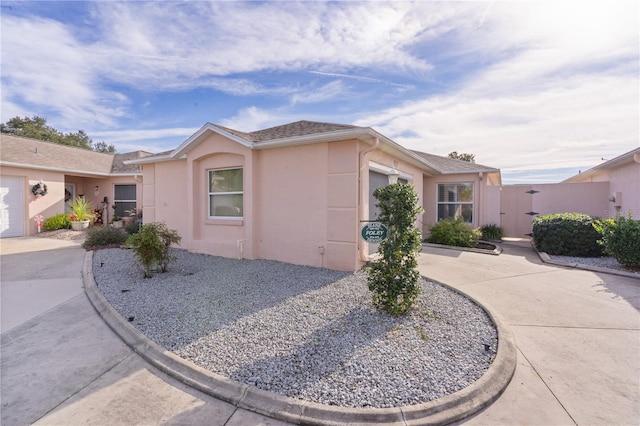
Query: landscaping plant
[621, 239]
[81, 209]
[567, 234]
[104, 236]
[453, 232]
[58, 221]
[393, 278]
[491, 231]
[152, 245]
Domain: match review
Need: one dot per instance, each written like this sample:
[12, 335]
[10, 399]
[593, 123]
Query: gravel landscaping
[302, 332]
[601, 262]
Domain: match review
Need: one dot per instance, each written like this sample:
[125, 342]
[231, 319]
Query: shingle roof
[306, 130]
[299, 128]
[451, 165]
[27, 152]
[120, 167]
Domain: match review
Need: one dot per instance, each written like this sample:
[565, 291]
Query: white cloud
[554, 101]
[254, 118]
[48, 71]
[158, 42]
[328, 91]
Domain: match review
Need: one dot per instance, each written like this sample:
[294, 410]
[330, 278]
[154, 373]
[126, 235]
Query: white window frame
[211, 193]
[456, 203]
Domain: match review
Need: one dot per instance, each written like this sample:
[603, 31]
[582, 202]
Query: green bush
[453, 232]
[567, 234]
[55, 222]
[152, 245]
[394, 278]
[132, 227]
[621, 239]
[491, 231]
[104, 236]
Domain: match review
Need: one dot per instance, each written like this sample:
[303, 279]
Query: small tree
[152, 246]
[394, 278]
[470, 158]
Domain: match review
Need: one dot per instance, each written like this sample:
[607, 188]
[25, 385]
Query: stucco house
[67, 172]
[300, 192]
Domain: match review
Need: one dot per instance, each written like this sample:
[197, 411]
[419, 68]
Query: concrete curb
[442, 411]
[547, 259]
[494, 252]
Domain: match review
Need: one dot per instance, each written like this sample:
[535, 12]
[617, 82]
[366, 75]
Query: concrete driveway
[577, 334]
[62, 365]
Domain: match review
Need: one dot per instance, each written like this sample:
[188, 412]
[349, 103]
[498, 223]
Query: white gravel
[302, 332]
[602, 262]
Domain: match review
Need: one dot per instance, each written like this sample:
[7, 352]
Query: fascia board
[186, 146]
[152, 159]
[462, 172]
[54, 169]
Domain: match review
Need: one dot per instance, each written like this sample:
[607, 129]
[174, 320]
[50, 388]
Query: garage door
[11, 206]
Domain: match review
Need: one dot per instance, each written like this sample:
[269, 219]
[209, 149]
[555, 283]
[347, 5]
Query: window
[124, 198]
[455, 200]
[225, 193]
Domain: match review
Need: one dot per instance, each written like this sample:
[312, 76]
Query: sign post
[374, 232]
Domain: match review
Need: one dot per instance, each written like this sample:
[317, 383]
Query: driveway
[576, 332]
[62, 365]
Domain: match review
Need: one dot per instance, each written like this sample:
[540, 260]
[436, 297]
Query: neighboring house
[67, 172]
[609, 189]
[299, 193]
[622, 174]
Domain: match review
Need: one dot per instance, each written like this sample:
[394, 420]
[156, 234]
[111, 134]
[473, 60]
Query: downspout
[478, 204]
[363, 254]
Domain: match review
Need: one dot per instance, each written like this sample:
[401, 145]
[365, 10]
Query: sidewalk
[576, 333]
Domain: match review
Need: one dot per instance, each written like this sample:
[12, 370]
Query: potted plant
[131, 216]
[117, 222]
[81, 213]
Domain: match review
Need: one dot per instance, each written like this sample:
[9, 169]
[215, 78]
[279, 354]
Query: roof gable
[306, 132]
[446, 165]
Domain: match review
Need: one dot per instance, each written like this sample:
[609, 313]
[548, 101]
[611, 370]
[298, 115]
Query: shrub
[104, 236]
[621, 239]
[567, 234]
[491, 231]
[55, 222]
[132, 227]
[393, 278]
[152, 246]
[453, 232]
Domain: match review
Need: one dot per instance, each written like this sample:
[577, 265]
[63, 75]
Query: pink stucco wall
[486, 206]
[590, 198]
[302, 204]
[53, 203]
[626, 181]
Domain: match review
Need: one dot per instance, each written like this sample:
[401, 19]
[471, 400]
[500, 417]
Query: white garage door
[11, 206]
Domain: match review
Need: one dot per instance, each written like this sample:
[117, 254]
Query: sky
[540, 90]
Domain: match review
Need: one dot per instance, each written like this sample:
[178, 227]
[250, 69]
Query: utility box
[617, 199]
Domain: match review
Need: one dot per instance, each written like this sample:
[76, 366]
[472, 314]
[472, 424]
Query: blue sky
[540, 90]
